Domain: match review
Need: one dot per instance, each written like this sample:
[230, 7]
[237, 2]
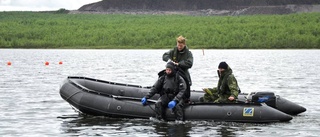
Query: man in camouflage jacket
[227, 90]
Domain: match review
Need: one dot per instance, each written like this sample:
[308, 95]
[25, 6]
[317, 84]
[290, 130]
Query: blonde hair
[181, 39]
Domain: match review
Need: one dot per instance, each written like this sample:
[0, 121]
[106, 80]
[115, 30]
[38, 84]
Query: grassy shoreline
[106, 31]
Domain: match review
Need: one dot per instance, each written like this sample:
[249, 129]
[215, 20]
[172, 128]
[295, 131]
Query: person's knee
[207, 99]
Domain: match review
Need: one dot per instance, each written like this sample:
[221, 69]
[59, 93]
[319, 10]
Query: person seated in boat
[227, 90]
[172, 89]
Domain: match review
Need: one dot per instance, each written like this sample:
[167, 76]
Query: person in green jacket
[227, 90]
[181, 56]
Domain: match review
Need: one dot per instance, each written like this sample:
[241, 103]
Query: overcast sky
[42, 5]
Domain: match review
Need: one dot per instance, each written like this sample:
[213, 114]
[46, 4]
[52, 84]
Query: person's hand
[172, 104]
[169, 60]
[177, 64]
[144, 100]
[231, 98]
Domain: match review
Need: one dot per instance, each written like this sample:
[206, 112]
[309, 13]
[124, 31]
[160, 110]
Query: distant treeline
[52, 30]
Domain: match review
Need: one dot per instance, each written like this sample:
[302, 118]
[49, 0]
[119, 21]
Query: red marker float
[9, 63]
[60, 62]
[46, 63]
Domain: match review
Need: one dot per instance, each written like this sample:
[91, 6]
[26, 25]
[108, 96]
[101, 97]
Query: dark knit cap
[223, 65]
[170, 65]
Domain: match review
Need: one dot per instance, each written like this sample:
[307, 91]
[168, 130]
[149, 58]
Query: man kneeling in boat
[172, 88]
[227, 90]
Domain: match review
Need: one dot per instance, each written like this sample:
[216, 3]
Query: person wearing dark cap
[171, 88]
[227, 89]
[181, 56]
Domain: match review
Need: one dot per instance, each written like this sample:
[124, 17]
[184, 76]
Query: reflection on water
[176, 130]
[81, 125]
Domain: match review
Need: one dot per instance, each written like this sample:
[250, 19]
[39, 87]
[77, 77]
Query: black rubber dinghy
[103, 98]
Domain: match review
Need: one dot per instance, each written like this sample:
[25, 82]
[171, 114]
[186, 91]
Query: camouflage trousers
[212, 95]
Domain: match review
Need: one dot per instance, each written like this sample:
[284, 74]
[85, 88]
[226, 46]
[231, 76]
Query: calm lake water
[31, 104]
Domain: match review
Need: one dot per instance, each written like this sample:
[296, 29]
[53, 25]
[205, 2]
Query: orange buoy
[60, 62]
[47, 63]
[9, 63]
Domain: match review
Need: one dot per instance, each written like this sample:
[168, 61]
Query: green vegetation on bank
[53, 30]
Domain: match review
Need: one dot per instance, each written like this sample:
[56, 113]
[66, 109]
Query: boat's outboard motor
[265, 97]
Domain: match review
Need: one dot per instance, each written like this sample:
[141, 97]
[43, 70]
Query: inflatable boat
[104, 98]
